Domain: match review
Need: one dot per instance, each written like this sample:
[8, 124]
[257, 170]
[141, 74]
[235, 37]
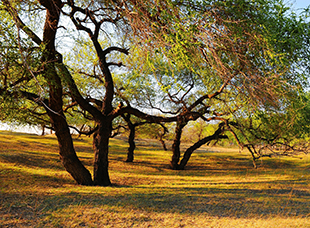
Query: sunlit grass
[219, 188]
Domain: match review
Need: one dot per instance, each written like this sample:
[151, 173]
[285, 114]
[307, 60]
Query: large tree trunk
[131, 142]
[101, 150]
[66, 150]
[131, 138]
[197, 145]
[190, 150]
[176, 145]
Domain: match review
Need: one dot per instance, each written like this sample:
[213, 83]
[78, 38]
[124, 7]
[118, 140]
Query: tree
[243, 69]
[270, 133]
[58, 80]
[210, 58]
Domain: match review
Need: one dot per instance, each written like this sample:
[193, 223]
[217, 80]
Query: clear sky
[300, 3]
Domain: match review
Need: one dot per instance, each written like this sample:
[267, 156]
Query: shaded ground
[218, 189]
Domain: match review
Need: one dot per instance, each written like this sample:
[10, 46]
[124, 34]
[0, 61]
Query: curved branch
[113, 48]
[90, 132]
[142, 115]
[76, 93]
[215, 136]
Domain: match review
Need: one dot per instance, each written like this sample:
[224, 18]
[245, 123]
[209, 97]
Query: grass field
[219, 188]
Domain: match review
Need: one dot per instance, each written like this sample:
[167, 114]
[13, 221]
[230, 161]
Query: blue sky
[300, 3]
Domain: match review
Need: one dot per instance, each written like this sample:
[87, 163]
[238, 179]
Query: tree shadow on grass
[32, 160]
[24, 179]
[239, 199]
[37, 196]
[207, 201]
[237, 203]
[40, 159]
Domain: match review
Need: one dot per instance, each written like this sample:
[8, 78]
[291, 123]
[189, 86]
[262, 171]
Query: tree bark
[101, 152]
[132, 145]
[43, 130]
[131, 138]
[54, 109]
[67, 152]
[197, 145]
[176, 144]
[161, 137]
[163, 143]
[131, 142]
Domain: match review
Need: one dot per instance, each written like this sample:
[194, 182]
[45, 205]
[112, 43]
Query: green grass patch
[219, 188]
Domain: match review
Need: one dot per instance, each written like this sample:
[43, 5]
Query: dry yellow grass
[218, 189]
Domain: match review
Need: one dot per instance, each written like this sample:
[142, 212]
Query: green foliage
[180, 51]
[19, 58]
[292, 123]
[195, 131]
[289, 127]
[218, 43]
[261, 48]
[83, 62]
[150, 131]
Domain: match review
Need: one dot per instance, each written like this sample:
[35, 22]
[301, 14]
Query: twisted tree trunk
[54, 109]
[101, 152]
[131, 141]
[176, 145]
[197, 145]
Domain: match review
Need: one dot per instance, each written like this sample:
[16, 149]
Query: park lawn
[219, 188]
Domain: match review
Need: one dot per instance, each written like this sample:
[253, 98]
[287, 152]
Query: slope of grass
[219, 188]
